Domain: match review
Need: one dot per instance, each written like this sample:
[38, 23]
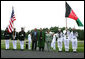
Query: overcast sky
[40, 14]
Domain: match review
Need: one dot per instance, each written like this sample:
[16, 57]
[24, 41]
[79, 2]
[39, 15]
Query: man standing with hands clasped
[34, 39]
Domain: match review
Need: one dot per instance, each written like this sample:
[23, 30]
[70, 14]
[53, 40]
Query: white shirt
[74, 35]
[54, 38]
[29, 37]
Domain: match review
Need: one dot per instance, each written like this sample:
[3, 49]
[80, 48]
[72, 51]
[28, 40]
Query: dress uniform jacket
[7, 35]
[21, 35]
[16, 35]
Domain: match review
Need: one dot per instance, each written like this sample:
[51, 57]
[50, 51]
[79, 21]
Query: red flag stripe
[11, 24]
[10, 28]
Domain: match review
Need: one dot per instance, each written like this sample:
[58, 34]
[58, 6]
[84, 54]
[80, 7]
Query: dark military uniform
[7, 37]
[22, 38]
[21, 35]
[14, 38]
[15, 34]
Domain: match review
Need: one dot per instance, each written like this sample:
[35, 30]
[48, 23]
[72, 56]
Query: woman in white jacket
[53, 42]
[29, 41]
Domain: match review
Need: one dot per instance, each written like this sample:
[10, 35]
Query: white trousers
[59, 44]
[22, 44]
[7, 44]
[53, 45]
[66, 44]
[14, 44]
[74, 44]
[29, 44]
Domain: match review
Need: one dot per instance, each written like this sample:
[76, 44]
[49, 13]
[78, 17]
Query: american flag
[12, 19]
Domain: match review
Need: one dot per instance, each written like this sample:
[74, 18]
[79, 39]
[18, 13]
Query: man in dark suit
[34, 39]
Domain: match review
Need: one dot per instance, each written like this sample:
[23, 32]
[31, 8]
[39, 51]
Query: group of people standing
[39, 38]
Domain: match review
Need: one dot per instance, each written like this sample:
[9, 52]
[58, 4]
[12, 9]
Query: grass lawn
[80, 46]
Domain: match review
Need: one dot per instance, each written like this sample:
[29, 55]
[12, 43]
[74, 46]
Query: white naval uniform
[53, 42]
[29, 41]
[66, 41]
[59, 41]
[74, 40]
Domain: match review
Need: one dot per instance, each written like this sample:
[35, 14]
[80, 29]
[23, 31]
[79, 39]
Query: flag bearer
[74, 36]
[14, 38]
[22, 38]
[66, 40]
[7, 37]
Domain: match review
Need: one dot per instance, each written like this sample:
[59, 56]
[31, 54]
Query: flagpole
[13, 22]
[66, 18]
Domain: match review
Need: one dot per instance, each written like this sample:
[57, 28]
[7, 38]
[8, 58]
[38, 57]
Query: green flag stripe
[79, 22]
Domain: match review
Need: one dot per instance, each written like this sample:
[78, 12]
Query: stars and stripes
[12, 19]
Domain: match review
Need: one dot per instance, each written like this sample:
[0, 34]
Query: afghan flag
[70, 14]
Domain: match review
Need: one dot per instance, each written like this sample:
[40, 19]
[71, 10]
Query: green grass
[80, 46]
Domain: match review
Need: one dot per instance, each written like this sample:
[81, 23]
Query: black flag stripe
[68, 9]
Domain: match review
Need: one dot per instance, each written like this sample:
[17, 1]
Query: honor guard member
[48, 40]
[7, 37]
[22, 38]
[66, 40]
[14, 38]
[53, 42]
[74, 36]
[29, 41]
[60, 39]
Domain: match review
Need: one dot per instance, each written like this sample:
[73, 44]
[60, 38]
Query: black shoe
[74, 52]
[67, 51]
[13, 49]
[21, 49]
[59, 51]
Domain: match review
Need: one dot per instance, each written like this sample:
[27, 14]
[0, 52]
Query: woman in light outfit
[53, 42]
[29, 41]
[48, 40]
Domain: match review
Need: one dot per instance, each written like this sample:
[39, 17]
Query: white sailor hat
[59, 29]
